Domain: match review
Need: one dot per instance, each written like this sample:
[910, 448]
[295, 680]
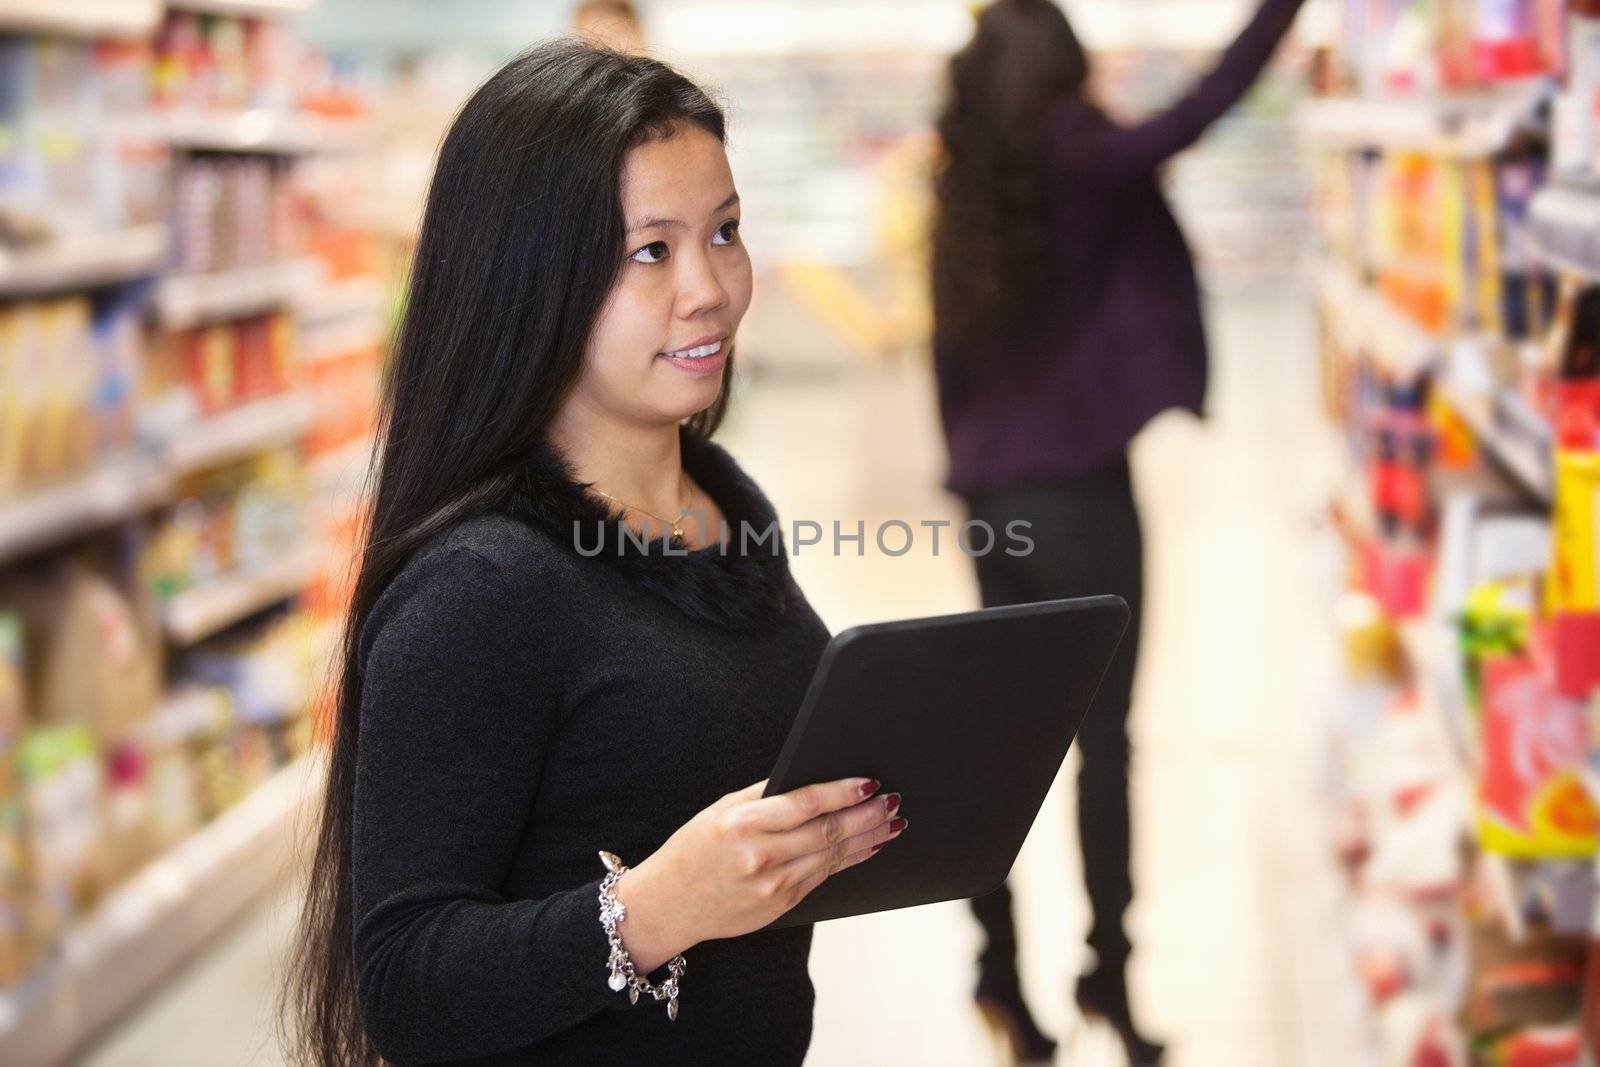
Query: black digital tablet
[969, 718]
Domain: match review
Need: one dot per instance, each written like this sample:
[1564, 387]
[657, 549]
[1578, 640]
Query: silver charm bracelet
[620, 964]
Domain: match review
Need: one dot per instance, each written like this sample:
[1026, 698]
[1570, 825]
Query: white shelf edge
[1523, 468]
[1559, 213]
[259, 130]
[196, 614]
[343, 470]
[1426, 642]
[147, 926]
[362, 296]
[243, 431]
[1368, 321]
[1561, 264]
[243, 8]
[123, 486]
[84, 261]
[1461, 125]
[117, 489]
[81, 18]
[184, 300]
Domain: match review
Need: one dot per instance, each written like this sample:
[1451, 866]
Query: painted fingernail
[878, 846]
[870, 786]
[891, 802]
[898, 824]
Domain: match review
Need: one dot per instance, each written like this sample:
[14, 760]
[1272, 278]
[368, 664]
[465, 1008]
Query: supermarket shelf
[197, 614]
[184, 300]
[149, 925]
[343, 471]
[80, 262]
[262, 130]
[114, 491]
[81, 18]
[240, 432]
[1526, 463]
[1459, 125]
[1366, 321]
[1430, 649]
[182, 714]
[243, 8]
[352, 296]
[124, 486]
[1564, 228]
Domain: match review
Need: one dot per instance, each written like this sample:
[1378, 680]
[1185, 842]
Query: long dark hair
[521, 241]
[989, 237]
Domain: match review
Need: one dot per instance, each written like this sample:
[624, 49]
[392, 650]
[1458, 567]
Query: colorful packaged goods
[1532, 799]
[91, 660]
[67, 376]
[1506, 40]
[15, 941]
[1575, 574]
[209, 369]
[1553, 1046]
[60, 781]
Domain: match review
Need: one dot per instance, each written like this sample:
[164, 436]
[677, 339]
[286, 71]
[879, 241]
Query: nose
[700, 289]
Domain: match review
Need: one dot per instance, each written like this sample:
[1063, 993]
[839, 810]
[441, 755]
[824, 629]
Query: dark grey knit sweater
[524, 705]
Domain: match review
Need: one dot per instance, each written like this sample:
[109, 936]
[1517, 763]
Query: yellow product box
[13, 414]
[1575, 574]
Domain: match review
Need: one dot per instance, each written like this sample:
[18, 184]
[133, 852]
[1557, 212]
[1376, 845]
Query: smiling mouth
[702, 352]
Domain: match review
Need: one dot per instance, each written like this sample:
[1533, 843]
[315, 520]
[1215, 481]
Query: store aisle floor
[1238, 964]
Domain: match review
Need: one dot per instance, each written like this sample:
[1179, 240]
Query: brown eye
[728, 232]
[654, 252]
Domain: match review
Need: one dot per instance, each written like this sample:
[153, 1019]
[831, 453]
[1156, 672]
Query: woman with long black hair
[1067, 315]
[574, 628]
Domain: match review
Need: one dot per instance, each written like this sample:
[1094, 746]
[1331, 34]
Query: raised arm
[452, 739]
[1116, 152]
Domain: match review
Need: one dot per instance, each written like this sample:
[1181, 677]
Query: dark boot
[1103, 995]
[1006, 1016]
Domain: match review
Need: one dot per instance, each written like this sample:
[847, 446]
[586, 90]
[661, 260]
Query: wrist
[648, 931]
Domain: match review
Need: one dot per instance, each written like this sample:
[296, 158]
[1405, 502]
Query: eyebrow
[678, 224]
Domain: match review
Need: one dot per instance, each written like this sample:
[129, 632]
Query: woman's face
[660, 346]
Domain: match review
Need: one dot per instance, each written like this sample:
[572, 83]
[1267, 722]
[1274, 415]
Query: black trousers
[1087, 541]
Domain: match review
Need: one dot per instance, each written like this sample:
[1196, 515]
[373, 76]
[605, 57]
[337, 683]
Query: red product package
[1578, 414]
[1577, 653]
[209, 367]
[253, 344]
[1554, 1046]
[1532, 801]
[1396, 576]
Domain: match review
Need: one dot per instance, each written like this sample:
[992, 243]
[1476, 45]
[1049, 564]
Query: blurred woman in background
[610, 24]
[1067, 315]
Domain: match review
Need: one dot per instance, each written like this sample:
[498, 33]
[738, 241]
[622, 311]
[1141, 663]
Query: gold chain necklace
[676, 525]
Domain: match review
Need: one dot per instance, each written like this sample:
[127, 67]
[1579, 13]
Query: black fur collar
[739, 585]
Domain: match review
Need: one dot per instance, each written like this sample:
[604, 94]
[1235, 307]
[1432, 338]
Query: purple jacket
[1120, 338]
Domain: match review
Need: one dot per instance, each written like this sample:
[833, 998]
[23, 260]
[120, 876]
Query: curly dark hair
[989, 239]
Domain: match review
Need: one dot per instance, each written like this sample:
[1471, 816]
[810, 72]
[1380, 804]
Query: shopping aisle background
[1238, 963]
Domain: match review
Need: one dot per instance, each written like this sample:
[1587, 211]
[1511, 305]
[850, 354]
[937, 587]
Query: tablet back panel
[969, 717]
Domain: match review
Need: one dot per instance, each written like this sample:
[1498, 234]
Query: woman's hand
[746, 860]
